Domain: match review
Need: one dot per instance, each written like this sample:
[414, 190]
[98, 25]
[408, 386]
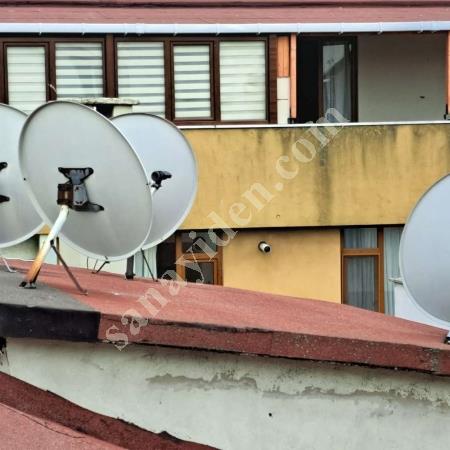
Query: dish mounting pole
[71, 195]
[158, 177]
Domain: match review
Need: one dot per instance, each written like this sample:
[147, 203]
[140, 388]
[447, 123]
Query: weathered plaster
[243, 402]
[366, 174]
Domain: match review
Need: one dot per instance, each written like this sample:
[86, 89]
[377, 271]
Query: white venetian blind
[26, 77]
[243, 80]
[192, 81]
[79, 69]
[140, 68]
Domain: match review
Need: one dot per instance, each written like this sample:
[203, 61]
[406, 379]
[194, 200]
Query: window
[206, 81]
[362, 266]
[192, 81]
[140, 75]
[26, 77]
[243, 80]
[199, 257]
[79, 69]
[370, 260]
[193, 255]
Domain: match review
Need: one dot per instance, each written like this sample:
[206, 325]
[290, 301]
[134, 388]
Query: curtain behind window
[27, 87]
[392, 236]
[79, 69]
[336, 73]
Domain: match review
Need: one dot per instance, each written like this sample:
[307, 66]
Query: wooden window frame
[217, 261]
[50, 45]
[378, 253]
[214, 41]
[110, 69]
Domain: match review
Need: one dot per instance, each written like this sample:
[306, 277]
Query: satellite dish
[19, 219]
[160, 144]
[72, 158]
[425, 251]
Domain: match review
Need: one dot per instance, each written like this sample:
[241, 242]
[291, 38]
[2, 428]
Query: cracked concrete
[243, 402]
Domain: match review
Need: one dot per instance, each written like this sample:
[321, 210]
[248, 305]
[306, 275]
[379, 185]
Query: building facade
[316, 127]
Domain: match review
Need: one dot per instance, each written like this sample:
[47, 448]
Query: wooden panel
[272, 61]
[293, 74]
[109, 61]
[283, 56]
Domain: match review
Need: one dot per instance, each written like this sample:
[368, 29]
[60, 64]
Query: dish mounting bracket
[73, 193]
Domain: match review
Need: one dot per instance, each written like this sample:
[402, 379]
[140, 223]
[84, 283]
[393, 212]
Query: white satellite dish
[74, 159]
[425, 251]
[19, 220]
[161, 145]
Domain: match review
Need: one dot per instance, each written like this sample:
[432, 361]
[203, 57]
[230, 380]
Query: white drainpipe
[244, 28]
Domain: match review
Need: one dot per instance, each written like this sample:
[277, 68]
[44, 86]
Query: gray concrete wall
[401, 77]
[242, 402]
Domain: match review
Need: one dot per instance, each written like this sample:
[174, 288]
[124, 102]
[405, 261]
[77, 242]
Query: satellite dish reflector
[73, 158]
[161, 145]
[425, 251]
[19, 219]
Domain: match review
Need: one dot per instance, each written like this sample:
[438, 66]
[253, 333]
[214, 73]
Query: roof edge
[221, 28]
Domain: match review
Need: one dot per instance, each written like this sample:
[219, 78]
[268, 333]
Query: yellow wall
[365, 175]
[303, 263]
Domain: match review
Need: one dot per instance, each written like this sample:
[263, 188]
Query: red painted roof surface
[33, 419]
[234, 320]
[220, 11]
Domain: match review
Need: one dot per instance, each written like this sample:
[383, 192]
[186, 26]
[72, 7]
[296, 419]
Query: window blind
[141, 75]
[192, 81]
[26, 77]
[243, 80]
[79, 69]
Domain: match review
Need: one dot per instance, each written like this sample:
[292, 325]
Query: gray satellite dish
[19, 219]
[160, 144]
[73, 158]
[425, 251]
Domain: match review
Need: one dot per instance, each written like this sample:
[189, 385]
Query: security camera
[264, 247]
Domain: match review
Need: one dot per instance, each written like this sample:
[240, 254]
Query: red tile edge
[282, 344]
[36, 402]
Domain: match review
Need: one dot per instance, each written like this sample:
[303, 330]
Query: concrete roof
[215, 318]
[221, 11]
[33, 419]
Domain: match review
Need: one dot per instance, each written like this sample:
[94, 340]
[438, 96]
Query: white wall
[240, 401]
[395, 71]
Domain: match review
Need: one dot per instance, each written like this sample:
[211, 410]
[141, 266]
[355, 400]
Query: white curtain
[360, 237]
[392, 236]
[27, 87]
[192, 75]
[243, 80]
[79, 69]
[360, 282]
[336, 69]
[140, 67]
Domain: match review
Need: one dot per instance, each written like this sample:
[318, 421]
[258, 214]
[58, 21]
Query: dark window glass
[201, 272]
